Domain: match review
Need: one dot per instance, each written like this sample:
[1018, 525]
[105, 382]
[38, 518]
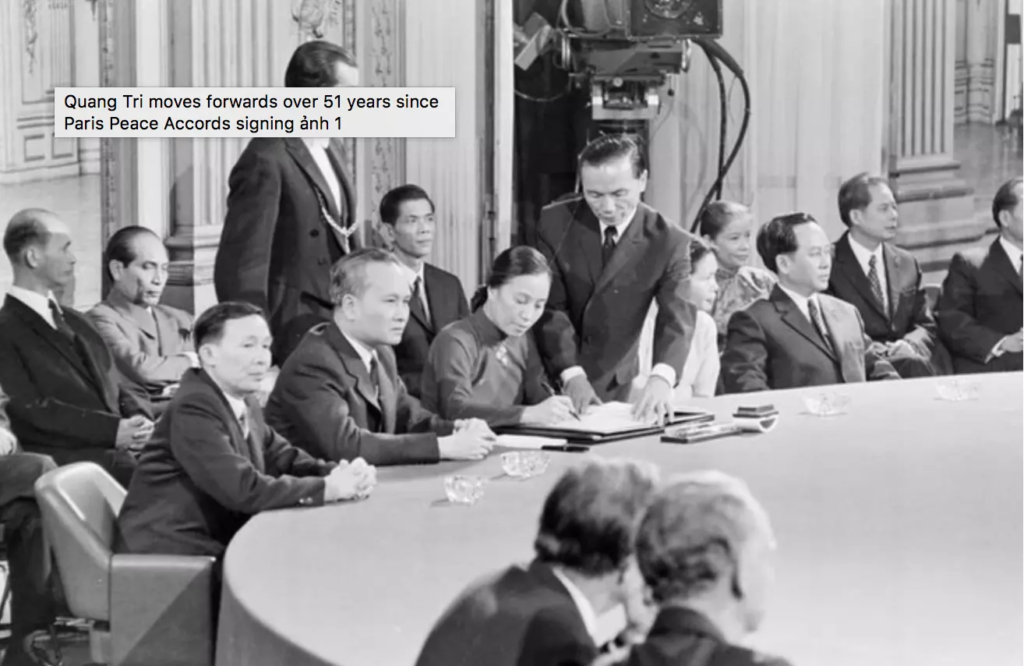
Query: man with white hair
[704, 548]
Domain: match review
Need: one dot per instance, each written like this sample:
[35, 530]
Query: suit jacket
[909, 320]
[324, 402]
[447, 302]
[63, 403]
[772, 345]
[681, 636]
[18, 471]
[147, 347]
[276, 250]
[523, 616]
[595, 315]
[979, 305]
[199, 479]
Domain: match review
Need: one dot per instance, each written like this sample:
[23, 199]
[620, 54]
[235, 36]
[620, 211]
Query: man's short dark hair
[391, 203]
[1005, 198]
[779, 237]
[855, 194]
[313, 65]
[209, 327]
[348, 274]
[609, 147]
[26, 228]
[121, 246]
[590, 518]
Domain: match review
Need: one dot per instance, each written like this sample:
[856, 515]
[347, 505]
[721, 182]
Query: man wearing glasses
[798, 336]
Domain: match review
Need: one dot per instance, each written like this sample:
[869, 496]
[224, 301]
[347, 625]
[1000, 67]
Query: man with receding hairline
[65, 400]
[339, 394]
[291, 213]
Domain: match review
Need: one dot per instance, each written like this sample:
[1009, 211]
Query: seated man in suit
[28, 558]
[151, 343]
[881, 280]
[704, 547]
[980, 310]
[339, 395]
[798, 336]
[546, 613]
[65, 397]
[407, 223]
[212, 461]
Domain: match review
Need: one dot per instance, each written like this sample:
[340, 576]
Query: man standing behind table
[291, 213]
[980, 311]
[212, 462]
[339, 395]
[65, 397]
[611, 257]
[798, 336]
[407, 223]
[881, 280]
[547, 613]
[151, 343]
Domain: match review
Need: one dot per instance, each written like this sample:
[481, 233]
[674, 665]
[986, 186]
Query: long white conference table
[899, 528]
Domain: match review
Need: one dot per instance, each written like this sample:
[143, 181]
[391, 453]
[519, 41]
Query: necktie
[610, 236]
[819, 324]
[60, 322]
[876, 284]
[420, 297]
[375, 376]
[243, 421]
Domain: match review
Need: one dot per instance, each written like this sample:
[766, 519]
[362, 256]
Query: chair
[144, 609]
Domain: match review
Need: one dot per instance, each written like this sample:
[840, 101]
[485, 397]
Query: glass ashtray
[827, 404]
[462, 489]
[524, 464]
[958, 390]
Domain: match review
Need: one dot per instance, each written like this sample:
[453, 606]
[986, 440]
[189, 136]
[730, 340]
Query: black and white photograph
[511, 333]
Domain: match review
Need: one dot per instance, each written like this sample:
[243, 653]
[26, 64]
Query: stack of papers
[605, 419]
[528, 441]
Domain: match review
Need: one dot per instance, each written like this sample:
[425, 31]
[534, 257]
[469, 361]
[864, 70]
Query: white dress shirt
[583, 604]
[801, 302]
[662, 370]
[37, 302]
[414, 274]
[864, 257]
[240, 410]
[366, 355]
[318, 149]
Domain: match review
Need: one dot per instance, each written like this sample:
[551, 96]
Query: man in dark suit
[291, 214]
[213, 462]
[339, 395]
[611, 257]
[704, 548]
[979, 312]
[28, 558]
[407, 224]
[65, 400]
[545, 614]
[798, 336]
[151, 343]
[881, 280]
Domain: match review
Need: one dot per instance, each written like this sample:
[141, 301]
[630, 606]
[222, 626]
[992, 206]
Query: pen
[568, 448]
[551, 392]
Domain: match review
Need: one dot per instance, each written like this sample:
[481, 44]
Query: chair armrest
[163, 609]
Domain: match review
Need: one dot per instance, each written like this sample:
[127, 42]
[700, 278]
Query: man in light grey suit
[151, 343]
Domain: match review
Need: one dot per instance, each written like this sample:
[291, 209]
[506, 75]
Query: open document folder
[609, 420]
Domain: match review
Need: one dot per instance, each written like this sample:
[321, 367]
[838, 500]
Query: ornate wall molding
[384, 68]
[30, 17]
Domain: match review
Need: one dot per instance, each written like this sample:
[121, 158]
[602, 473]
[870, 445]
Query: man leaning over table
[547, 613]
[212, 462]
[339, 395]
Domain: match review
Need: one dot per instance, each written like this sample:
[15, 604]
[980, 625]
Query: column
[936, 205]
[453, 171]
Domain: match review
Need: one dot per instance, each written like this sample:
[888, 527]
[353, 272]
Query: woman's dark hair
[717, 216]
[512, 263]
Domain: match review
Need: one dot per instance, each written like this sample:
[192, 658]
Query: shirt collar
[366, 355]
[316, 142]
[1012, 251]
[238, 406]
[621, 228]
[412, 272]
[37, 302]
[864, 255]
[490, 334]
[583, 604]
[801, 301]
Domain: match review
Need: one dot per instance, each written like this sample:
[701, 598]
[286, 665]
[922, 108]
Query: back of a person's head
[589, 519]
[26, 228]
[1005, 199]
[694, 533]
[313, 65]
